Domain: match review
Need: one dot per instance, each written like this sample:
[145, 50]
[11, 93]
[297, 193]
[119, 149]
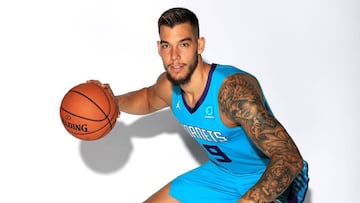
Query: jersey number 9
[216, 151]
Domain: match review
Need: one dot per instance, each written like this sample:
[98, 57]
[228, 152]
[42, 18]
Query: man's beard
[186, 79]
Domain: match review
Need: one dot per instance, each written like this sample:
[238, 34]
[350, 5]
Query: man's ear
[158, 46]
[201, 45]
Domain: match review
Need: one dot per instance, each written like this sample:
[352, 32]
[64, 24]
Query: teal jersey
[229, 148]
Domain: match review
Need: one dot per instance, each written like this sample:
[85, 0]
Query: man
[252, 158]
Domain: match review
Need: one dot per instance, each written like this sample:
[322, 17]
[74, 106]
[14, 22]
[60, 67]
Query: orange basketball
[88, 112]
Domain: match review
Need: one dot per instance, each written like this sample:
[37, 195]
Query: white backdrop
[306, 55]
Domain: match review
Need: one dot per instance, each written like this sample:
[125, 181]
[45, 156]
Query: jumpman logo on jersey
[178, 105]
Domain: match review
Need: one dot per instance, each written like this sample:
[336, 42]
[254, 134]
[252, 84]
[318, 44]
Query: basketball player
[252, 158]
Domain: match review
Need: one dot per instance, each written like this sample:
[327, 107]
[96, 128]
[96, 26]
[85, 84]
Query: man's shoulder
[224, 72]
[163, 88]
[229, 69]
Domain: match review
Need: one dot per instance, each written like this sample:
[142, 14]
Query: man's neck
[194, 89]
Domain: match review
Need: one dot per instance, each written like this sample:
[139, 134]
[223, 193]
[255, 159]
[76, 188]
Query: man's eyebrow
[182, 40]
[186, 39]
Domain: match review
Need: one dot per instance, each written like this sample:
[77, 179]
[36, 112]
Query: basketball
[88, 111]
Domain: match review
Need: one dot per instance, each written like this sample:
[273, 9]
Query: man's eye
[184, 44]
[164, 46]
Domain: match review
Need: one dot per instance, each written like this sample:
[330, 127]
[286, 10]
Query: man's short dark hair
[178, 15]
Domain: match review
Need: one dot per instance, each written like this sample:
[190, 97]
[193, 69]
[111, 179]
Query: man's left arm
[241, 100]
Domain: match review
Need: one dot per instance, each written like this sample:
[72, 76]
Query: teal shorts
[211, 184]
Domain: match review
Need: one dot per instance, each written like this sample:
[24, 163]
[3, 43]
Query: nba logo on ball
[88, 111]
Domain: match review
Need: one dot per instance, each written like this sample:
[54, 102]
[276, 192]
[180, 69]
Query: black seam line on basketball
[96, 120]
[106, 127]
[107, 118]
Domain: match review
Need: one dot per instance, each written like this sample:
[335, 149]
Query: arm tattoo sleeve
[240, 99]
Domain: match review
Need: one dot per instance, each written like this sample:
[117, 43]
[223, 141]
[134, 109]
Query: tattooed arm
[241, 101]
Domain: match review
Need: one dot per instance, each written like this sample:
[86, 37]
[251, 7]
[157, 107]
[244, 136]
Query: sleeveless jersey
[229, 148]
